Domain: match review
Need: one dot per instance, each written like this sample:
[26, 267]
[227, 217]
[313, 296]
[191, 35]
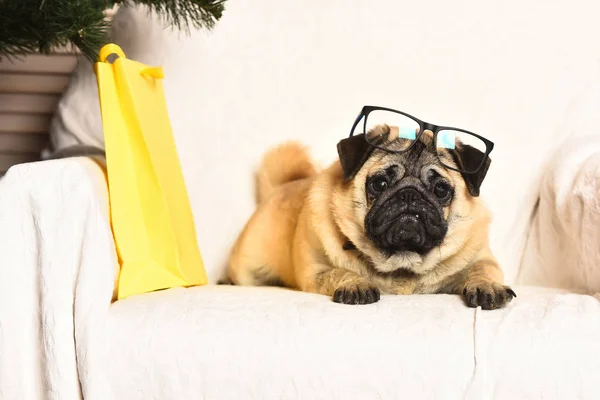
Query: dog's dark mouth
[408, 229]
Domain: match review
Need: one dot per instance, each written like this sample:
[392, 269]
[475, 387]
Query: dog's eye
[441, 190]
[378, 185]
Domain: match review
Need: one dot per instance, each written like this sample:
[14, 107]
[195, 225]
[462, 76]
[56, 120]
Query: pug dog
[374, 222]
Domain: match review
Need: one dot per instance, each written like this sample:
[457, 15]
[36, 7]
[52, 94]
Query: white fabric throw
[563, 249]
[57, 267]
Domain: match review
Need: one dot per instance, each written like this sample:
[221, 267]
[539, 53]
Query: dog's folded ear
[468, 158]
[353, 153]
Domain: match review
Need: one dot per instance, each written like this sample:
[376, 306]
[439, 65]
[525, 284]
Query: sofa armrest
[563, 249]
[58, 266]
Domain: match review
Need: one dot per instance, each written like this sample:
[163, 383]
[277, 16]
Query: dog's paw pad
[488, 296]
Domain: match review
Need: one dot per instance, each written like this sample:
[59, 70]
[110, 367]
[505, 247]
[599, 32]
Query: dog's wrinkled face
[405, 203]
[407, 196]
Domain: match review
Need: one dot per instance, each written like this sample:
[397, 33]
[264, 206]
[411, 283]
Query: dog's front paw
[359, 293]
[488, 295]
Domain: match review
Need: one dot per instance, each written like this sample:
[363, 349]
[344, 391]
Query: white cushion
[240, 343]
[275, 70]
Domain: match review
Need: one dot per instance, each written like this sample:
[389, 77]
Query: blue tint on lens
[446, 139]
[408, 133]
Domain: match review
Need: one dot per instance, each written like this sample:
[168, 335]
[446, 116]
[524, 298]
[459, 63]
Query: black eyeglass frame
[366, 110]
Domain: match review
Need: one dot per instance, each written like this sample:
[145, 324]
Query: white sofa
[523, 74]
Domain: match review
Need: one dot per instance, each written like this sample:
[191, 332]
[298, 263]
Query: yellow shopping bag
[150, 210]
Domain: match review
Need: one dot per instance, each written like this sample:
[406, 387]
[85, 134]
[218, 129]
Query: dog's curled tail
[285, 163]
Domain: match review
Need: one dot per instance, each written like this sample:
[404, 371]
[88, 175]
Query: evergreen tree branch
[28, 26]
[183, 13]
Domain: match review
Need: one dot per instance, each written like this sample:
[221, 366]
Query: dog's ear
[468, 158]
[353, 152]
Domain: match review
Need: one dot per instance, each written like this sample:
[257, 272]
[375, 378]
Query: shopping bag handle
[108, 50]
[111, 48]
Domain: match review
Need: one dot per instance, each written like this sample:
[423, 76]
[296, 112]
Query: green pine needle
[183, 13]
[28, 26]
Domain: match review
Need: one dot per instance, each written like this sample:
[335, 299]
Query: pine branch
[38, 26]
[28, 26]
[183, 13]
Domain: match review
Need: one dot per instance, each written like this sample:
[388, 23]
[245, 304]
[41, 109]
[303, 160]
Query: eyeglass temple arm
[360, 116]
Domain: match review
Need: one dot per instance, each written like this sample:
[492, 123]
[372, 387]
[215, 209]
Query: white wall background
[272, 70]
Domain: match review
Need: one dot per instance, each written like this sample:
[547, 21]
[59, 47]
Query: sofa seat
[227, 342]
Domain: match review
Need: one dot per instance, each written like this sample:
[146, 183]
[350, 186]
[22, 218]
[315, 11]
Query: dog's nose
[409, 195]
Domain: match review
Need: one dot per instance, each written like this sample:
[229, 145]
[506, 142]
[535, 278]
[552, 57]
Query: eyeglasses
[397, 132]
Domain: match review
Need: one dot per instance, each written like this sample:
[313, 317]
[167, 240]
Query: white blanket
[564, 243]
[57, 267]
[60, 337]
